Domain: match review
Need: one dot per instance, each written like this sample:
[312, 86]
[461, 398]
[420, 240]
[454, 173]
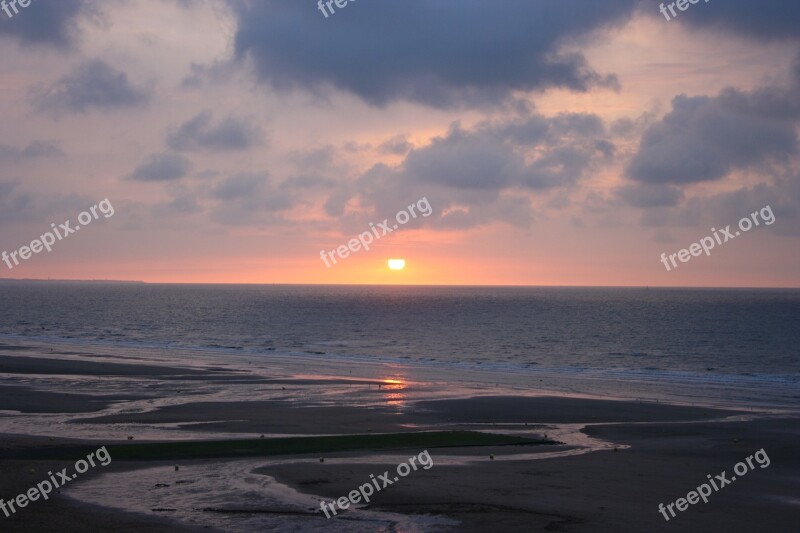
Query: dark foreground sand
[602, 491]
[665, 451]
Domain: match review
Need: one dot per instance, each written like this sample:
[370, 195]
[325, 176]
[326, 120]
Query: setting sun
[397, 264]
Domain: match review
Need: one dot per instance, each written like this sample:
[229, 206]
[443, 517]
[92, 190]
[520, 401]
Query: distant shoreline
[35, 280]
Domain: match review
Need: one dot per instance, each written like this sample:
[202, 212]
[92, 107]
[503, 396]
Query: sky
[556, 142]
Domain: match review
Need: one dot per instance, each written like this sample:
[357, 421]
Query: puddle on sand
[228, 496]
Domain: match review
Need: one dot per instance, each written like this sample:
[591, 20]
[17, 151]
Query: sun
[397, 264]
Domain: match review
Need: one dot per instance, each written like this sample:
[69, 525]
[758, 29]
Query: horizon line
[391, 284]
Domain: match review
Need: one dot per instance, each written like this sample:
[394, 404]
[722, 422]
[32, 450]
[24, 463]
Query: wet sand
[663, 451]
[284, 417]
[601, 491]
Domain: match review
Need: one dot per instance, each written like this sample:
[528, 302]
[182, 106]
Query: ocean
[742, 339]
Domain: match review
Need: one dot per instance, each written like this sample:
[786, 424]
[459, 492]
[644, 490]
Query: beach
[407, 267]
[503, 456]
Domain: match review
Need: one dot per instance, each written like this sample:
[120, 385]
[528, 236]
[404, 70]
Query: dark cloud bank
[445, 53]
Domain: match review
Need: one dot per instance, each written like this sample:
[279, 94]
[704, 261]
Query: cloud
[239, 199]
[307, 182]
[14, 206]
[162, 167]
[201, 75]
[453, 57]
[397, 145]
[314, 158]
[181, 205]
[93, 85]
[248, 198]
[240, 186]
[34, 150]
[536, 152]
[47, 23]
[705, 138]
[648, 195]
[777, 102]
[471, 160]
[721, 209]
[200, 133]
[38, 149]
[763, 21]
[20, 204]
[484, 174]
